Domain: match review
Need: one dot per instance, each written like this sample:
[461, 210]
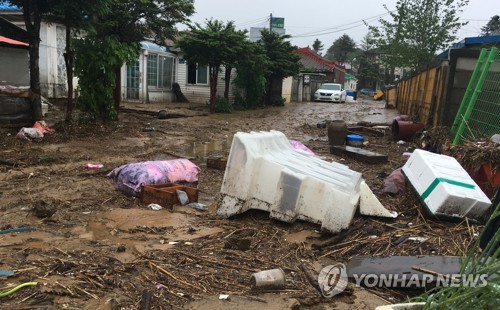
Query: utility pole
[271, 23]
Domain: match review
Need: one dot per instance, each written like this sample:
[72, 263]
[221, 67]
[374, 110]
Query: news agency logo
[333, 280]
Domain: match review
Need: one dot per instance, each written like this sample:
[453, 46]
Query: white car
[330, 92]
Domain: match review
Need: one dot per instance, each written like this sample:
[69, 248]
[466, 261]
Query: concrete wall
[52, 68]
[14, 66]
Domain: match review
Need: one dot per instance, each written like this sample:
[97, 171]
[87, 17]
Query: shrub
[223, 106]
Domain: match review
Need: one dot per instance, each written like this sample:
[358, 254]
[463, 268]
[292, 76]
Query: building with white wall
[150, 77]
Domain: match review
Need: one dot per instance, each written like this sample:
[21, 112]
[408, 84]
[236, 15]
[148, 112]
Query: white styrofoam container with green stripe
[444, 186]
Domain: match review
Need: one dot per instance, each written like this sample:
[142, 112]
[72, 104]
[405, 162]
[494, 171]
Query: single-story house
[312, 62]
[150, 77]
[53, 82]
[157, 66]
[14, 60]
[315, 70]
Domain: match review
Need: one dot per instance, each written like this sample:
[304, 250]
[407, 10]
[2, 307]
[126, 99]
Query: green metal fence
[479, 112]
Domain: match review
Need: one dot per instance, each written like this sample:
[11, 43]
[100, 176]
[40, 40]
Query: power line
[325, 31]
[253, 21]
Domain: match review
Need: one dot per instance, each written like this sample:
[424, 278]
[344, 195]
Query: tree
[317, 46]
[492, 27]
[367, 42]
[116, 35]
[214, 45]
[341, 49]
[33, 13]
[252, 68]
[418, 29]
[283, 63]
[96, 58]
[368, 69]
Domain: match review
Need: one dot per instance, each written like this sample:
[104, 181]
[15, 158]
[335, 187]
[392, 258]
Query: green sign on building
[278, 22]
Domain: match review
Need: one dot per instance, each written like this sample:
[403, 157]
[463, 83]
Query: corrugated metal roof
[151, 46]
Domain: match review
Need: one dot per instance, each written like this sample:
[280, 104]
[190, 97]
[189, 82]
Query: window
[161, 70]
[197, 74]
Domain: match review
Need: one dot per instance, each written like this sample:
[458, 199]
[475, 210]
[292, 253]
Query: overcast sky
[325, 19]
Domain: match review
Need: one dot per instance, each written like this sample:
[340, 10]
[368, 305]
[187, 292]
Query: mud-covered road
[91, 247]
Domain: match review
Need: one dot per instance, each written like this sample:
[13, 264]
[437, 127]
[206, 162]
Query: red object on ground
[486, 178]
[492, 176]
[405, 130]
[43, 128]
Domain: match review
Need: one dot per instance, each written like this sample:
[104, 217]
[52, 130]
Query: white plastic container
[268, 279]
[444, 186]
[264, 172]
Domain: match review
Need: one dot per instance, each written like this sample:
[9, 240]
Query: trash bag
[183, 197]
[299, 146]
[27, 133]
[395, 183]
[130, 178]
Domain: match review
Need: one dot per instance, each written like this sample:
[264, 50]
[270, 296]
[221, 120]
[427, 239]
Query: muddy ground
[91, 247]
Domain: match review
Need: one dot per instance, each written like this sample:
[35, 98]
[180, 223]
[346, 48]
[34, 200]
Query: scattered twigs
[313, 280]
[214, 262]
[165, 272]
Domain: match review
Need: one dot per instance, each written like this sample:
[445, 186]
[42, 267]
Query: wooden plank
[404, 267]
[361, 130]
[217, 163]
[359, 154]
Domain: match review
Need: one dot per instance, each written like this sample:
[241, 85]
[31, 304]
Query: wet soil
[91, 247]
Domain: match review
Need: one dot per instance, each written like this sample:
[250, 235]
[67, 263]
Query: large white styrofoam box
[444, 186]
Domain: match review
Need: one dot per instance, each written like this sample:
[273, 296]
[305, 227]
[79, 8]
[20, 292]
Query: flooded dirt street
[91, 247]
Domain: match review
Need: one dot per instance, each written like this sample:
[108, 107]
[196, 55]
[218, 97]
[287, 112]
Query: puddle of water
[113, 226]
[304, 236]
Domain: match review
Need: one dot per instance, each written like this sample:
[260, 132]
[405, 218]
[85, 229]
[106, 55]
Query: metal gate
[305, 85]
[479, 112]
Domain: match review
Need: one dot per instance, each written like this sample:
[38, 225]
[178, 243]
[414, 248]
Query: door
[133, 81]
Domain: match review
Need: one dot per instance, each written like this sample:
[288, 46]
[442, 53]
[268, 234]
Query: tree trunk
[214, 74]
[269, 91]
[117, 95]
[227, 82]
[68, 60]
[33, 28]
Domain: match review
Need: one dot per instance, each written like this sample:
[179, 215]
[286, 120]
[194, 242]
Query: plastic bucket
[405, 130]
[268, 279]
[355, 140]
